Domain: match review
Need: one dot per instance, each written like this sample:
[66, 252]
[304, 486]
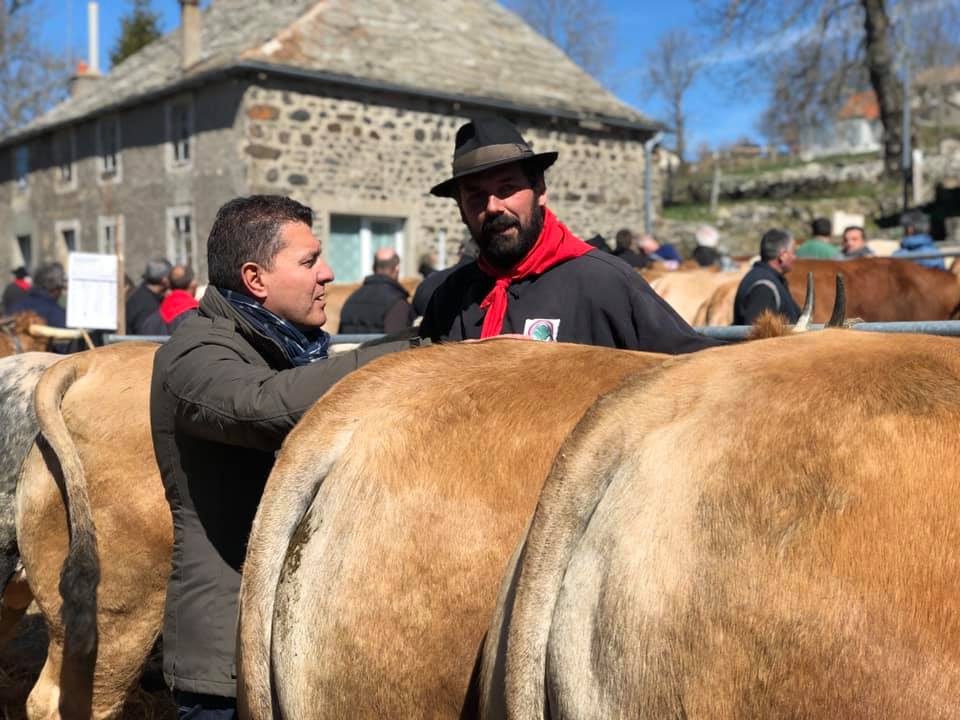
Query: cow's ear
[252, 275]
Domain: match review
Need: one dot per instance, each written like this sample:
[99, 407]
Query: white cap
[707, 236]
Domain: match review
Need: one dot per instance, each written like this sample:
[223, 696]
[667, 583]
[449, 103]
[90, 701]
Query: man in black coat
[227, 387]
[380, 304]
[765, 286]
[533, 276]
[145, 300]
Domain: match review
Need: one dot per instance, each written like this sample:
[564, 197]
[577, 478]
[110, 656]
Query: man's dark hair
[917, 221]
[382, 266]
[821, 226]
[156, 271]
[50, 277]
[247, 229]
[624, 239]
[181, 277]
[534, 172]
[20, 273]
[773, 242]
[863, 233]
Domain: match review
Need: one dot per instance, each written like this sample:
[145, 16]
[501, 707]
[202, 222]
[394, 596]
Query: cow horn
[839, 305]
[803, 322]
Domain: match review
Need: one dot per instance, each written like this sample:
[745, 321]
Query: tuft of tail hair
[769, 325]
[80, 575]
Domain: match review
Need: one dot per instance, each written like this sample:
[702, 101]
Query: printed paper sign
[92, 291]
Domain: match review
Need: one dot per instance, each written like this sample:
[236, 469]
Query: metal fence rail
[949, 328]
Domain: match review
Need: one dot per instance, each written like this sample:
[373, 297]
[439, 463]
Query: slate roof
[468, 50]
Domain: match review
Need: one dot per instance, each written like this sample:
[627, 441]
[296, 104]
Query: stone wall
[361, 153]
[145, 186]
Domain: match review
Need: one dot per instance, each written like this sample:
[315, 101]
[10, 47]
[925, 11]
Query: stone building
[350, 107]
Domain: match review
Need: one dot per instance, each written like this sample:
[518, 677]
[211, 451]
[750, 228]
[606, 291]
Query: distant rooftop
[468, 50]
[862, 105]
[942, 75]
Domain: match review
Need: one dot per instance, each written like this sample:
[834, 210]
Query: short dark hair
[181, 276]
[773, 242]
[247, 229]
[863, 233]
[822, 226]
[50, 277]
[156, 271]
[916, 220]
[624, 239]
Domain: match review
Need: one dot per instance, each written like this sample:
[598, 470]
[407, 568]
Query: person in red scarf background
[17, 290]
[533, 276]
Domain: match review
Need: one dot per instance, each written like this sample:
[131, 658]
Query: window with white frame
[21, 165]
[64, 158]
[109, 233]
[108, 145]
[180, 133]
[25, 247]
[181, 248]
[353, 240]
[68, 232]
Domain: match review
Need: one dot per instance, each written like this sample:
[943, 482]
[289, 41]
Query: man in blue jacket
[917, 240]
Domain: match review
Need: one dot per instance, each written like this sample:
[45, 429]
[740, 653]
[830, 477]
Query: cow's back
[879, 289]
[735, 566]
[390, 578]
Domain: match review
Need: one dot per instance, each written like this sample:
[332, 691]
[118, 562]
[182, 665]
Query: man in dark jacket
[380, 304]
[626, 249]
[227, 388]
[16, 290]
[533, 276]
[765, 287]
[43, 297]
[145, 300]
[178, 304]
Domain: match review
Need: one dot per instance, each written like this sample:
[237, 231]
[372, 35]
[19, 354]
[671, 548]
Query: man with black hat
[533, 276]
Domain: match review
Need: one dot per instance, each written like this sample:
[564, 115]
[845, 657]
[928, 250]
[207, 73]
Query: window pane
[70, 240]
[343, 249]
[26, 250]
[383, 234]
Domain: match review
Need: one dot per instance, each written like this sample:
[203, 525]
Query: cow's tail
[80, 574]
[302, 466]
[584, 467]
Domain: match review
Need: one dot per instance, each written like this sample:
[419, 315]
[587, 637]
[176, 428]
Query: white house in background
[857, 129]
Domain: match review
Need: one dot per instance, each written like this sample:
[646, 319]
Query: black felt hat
[487, 143]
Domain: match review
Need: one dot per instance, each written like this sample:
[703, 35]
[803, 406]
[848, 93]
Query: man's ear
[252, 276]
[541, 190]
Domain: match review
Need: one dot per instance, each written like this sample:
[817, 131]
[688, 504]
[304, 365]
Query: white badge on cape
[543, 329]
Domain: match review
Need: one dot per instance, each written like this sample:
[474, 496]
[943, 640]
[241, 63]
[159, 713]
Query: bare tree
[31, 79]
[799, 37]
[581, 28]
[672, 66]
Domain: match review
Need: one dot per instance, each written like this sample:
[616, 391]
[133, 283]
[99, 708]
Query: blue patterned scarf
[299, 349]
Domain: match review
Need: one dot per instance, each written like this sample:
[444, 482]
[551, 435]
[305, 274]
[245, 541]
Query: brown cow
[15, 334]
[389, 517]
[96, 466]
[688, 291]
[763, 530]
[877, 290]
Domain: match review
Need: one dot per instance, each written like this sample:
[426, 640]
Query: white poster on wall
[92, 291]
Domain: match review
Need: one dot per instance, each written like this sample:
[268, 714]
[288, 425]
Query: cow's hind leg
[17, 597]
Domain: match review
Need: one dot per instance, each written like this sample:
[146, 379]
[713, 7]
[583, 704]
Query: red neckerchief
[178, 301]
[22, 283]
[555, 245]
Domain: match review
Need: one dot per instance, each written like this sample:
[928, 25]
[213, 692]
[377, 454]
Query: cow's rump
[765, 530]
[392, 510]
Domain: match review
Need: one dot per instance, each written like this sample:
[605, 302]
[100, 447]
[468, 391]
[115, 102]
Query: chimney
[88, 73]
[189, 32]
[93, 37]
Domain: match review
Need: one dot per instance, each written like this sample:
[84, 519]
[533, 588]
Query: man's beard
[505, 251]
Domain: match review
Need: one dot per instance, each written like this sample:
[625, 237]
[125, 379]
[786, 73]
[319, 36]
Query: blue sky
[712, 114]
